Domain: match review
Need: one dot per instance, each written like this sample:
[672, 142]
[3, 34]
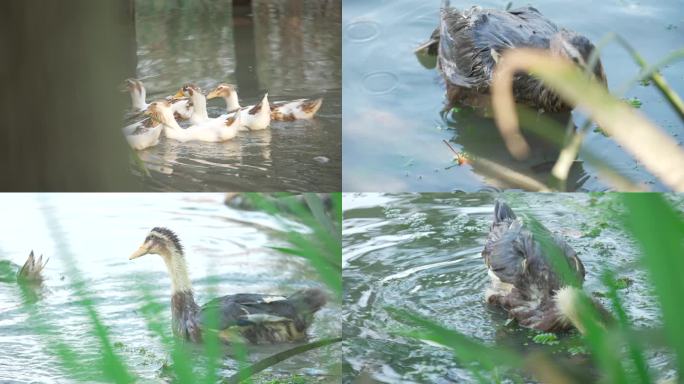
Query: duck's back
[265, 318]
[515, 257]
[470, 40]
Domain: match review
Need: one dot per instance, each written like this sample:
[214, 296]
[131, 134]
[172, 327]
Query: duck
[256, 318]
[182, 107]
[470, 43]
[212, 130]
[30, 272]
[523, 281]
[143, 135]
[300, 109]
[253, 118]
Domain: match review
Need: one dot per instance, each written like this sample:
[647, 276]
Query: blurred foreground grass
[647, 143]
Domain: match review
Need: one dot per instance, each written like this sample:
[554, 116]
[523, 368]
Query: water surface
[226, 251]
[393, 129]
[289, 49]
[421, 252]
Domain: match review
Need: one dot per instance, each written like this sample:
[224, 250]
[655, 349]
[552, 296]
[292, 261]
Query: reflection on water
[290, 49]
[422, 253]
[223, 245]
[393, 129]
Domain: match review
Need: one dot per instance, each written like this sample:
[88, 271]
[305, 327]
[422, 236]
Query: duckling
[470, 43]
[258, 318]
[213, 130]
[30, 272]
[199, 101]
[182, 107]
[280, 110]
[253, 118]
[523, 281]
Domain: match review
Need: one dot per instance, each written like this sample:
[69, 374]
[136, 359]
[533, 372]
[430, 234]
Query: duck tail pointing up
[503, 212]
[309, 300]
[31, 271]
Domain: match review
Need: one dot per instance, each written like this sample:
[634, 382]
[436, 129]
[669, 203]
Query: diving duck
[280, 110]
[258, 318]
[253, 118]
[30, 272]
[212, 130]
[470, 43]
[523, 281]
[182, 107]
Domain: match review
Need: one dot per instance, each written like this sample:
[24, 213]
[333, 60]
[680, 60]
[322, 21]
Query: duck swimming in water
[253, 118]
[211, 130]
[524, 282]
[470, 43]
[300, 109]
[182, 107]
[30, 272]
[258, 318]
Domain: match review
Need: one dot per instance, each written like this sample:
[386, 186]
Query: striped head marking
[160, 241]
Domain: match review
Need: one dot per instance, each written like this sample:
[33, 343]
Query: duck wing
[249, 308]
[470, 42]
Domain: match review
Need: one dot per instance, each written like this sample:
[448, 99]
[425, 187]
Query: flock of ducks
[190, 104]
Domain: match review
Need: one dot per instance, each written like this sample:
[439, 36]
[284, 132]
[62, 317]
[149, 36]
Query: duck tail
[309, 300]
[31, 271]
[567, 301]
[503, 212]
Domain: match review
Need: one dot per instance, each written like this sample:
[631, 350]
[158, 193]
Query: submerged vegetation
[318, 243]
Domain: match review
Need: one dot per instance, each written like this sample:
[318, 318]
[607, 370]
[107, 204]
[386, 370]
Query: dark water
[226, 251]
[393, 130]
[290, 49]
[421, 252]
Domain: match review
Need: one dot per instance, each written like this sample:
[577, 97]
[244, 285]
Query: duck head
[164, 242]
[577, 48]
[160, 241]
[160, 111]
[137, 92]
[229, 93]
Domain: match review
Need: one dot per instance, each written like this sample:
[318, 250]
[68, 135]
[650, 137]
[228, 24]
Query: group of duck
[184, 117]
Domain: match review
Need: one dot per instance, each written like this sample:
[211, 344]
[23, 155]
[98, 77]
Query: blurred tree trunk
[63, 63]
[245, 47]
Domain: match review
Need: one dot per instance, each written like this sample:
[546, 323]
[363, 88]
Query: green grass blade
[659, 230]
[277, 358]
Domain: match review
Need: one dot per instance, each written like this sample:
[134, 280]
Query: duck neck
[168, 120]
[199, 110]
[232, 102]
[138, 99]
[178, 271]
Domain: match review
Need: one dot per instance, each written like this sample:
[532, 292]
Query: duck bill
[139, 252]
[212, 94]
[178, 95]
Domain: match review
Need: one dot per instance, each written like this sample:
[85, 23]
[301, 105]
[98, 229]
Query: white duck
[254, 118]
[146, 134]
[213, 130]
[280, 110]
[182, 107]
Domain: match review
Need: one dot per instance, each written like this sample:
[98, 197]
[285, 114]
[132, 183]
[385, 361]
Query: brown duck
[257, 318]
